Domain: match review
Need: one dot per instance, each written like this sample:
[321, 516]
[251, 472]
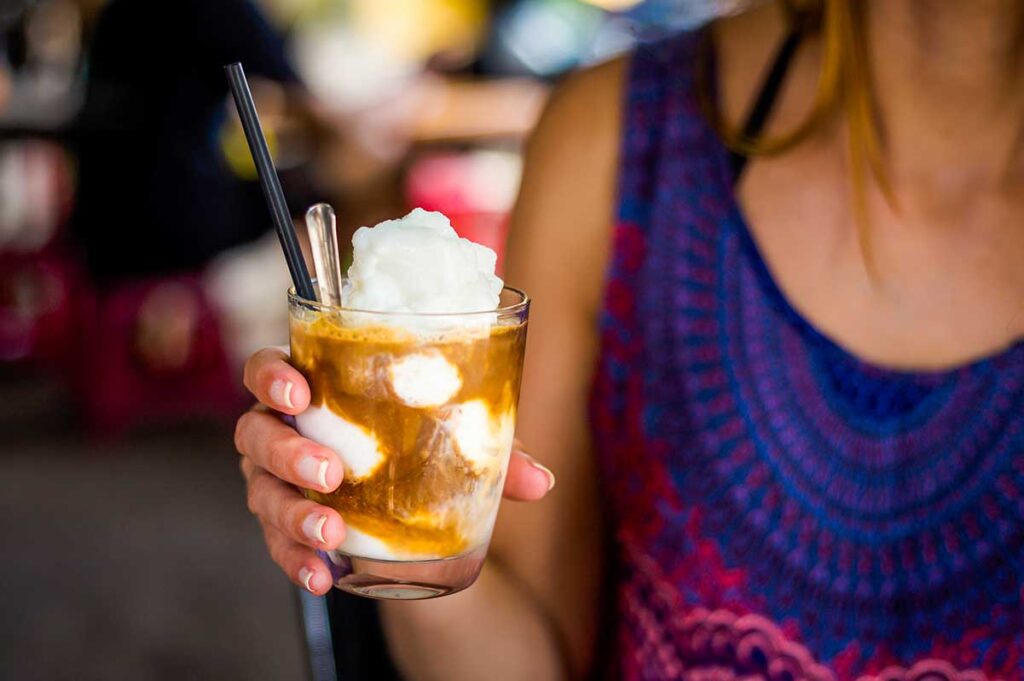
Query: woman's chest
[922, 281]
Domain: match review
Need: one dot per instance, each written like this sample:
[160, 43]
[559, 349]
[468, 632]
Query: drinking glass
[421, 409]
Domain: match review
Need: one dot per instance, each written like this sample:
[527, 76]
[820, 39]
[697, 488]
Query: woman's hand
[276, 460]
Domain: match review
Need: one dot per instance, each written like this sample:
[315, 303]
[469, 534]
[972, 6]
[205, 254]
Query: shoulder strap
[766, 98]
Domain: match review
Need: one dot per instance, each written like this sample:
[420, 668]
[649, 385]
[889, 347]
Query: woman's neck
[949, 79]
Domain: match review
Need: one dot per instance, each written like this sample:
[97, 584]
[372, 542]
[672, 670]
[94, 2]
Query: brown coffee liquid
[425, 497]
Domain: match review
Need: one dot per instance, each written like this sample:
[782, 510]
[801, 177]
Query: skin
[947, 290]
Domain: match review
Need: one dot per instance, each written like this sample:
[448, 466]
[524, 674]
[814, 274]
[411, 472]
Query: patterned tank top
[783, 510]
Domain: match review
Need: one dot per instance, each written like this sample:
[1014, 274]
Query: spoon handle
[323, 240]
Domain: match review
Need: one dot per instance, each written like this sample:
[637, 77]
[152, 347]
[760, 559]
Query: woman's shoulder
[573, 159]
[586, 101]
[575, 141]
[562, 220]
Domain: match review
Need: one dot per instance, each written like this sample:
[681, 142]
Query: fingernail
[313, 470]
[313, 527]
[306, 577]
[543, 469]
[281, 392]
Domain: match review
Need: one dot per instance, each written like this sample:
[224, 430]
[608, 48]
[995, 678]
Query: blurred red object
[38, 320]
[119, 386]
[38, 278]
[54, 319]
[475, 190]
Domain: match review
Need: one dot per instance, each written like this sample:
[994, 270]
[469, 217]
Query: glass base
[404, 580]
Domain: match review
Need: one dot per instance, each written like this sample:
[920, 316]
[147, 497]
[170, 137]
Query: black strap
[766, 98]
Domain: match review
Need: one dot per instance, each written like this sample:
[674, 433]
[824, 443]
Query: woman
[785, 397]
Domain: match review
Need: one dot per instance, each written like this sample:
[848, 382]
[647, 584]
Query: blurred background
[138, 269]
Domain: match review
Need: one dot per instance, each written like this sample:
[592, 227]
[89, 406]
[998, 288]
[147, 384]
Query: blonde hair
[844, 88]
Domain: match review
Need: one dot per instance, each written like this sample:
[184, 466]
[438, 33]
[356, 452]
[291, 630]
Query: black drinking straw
[268, 180]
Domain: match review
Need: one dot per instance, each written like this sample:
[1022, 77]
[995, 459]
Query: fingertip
[258, 364]
[317, 467]
[284, 392]
[299, 395]
[549, 477]
[280, 393]
[314, 578]
[527, 480]
[275, 382]
[300, 564]
[538, 488]
[335, 473]
[322, 528]
[288, 391]
[333, 531]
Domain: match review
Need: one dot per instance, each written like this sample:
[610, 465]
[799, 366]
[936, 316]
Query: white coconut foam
[424, 379]
[418, 264]
[483, 440]
[360, 544]
[358, 449]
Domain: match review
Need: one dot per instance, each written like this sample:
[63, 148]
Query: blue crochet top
[781, 508]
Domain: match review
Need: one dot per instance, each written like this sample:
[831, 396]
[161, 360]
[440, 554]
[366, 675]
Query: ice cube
[424, 379]
[365, 376]
[482, 439]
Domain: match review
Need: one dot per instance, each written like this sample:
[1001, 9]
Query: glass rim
[520, 306]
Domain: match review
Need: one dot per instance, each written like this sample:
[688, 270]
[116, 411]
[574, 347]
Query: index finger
[275, 382]
[275, 447]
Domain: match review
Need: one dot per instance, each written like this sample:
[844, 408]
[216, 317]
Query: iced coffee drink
[414, 382]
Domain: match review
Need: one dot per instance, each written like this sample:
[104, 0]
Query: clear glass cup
[421, 409]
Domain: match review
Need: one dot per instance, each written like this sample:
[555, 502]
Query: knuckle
[258, 383]
[276, 556]
[290, 519]
[240, 428]
[273, 546]
[253, 493]
[263, 376]
[259, 369]
[295, 516]
[279, 548]
[247, 371]
[283, 451]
